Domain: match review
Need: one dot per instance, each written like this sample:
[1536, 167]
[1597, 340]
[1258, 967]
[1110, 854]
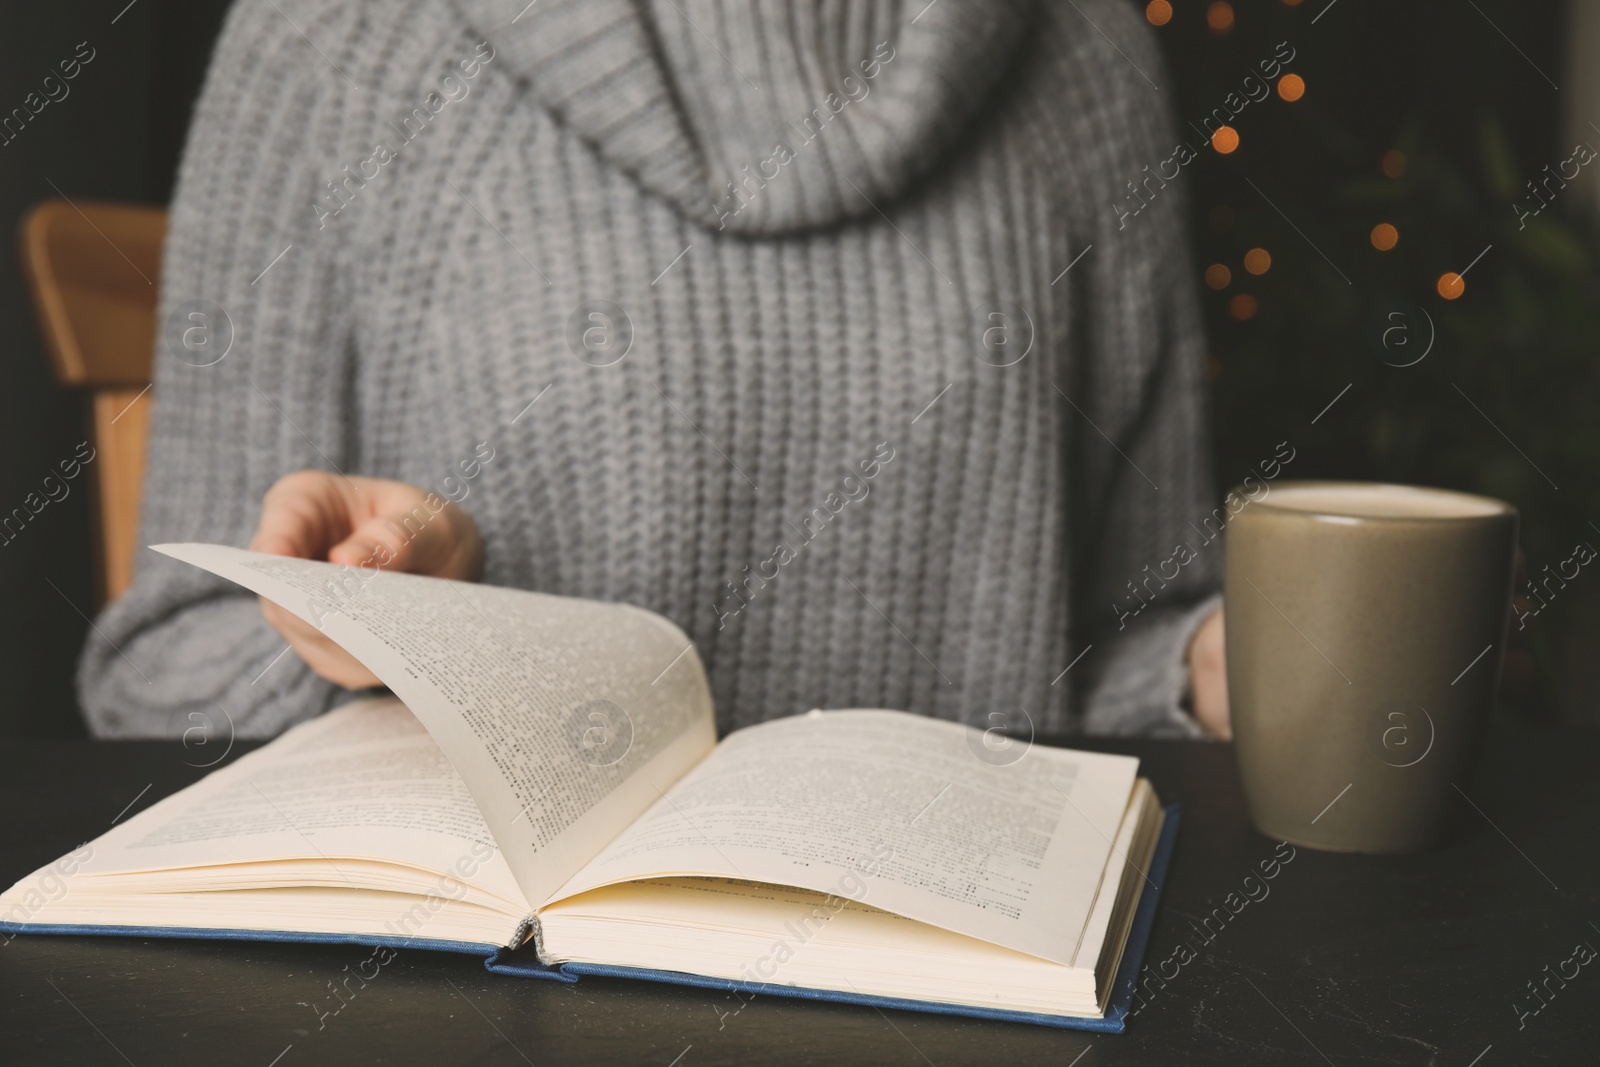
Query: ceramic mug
[1364, 629]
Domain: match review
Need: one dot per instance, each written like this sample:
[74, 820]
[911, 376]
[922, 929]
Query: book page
[351, 823]
[564, 717]
[342, 795]
[902, 809]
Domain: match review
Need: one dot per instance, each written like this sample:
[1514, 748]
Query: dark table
[1345, 960]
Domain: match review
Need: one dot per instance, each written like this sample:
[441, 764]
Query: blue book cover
[523, 964]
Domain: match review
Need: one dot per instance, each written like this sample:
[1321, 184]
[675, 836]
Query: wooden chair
[94, 270]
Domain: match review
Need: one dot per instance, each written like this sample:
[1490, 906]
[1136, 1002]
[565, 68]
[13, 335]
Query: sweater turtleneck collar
[761, 116]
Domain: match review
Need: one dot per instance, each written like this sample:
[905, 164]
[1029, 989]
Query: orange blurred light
[1450, 285]
[1384, 237]
[1393, 163]
[1243, 307]
[1257, 261]
[1219, 16]
[1218, 276]
[1291, 87]
[1225, 140]
[1158, 12]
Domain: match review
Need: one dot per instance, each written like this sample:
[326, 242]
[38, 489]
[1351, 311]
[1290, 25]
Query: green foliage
[1504, 403]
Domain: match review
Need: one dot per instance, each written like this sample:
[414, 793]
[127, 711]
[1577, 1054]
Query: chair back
[94, 271]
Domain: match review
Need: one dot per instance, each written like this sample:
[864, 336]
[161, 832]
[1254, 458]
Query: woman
[822, 329]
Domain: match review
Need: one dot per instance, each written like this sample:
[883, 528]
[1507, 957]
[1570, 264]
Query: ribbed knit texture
[778, 340]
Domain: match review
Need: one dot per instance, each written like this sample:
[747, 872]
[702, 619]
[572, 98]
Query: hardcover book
[545, 787]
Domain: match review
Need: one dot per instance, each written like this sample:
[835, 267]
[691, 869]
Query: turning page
[564, 717]
[1013, 855]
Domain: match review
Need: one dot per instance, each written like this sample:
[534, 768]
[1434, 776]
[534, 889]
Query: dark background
[116, 136]
[1462, 97]
[1435, 80]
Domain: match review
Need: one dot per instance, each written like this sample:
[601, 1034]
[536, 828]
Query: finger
[301, 635]
[301, 515]
[337, 666]
[291, 626]
[317, 650]
[382, 541]
[421, 540]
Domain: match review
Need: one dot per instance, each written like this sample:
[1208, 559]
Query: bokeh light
[1225, 140]
[1218, 276]
[1394, 163]
[1219, 16]
[1257, 261]
[1243, 307]
[1451, 286]
[1291, 87]
[1158, 12]
[1384, 237]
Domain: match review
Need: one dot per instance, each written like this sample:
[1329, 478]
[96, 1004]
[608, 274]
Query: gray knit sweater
[821, 327]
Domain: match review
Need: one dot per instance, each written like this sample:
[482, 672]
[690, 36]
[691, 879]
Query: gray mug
[1364, 627]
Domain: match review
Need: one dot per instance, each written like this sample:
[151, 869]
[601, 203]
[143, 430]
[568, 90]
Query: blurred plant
[1377, 286]
[1485, 384]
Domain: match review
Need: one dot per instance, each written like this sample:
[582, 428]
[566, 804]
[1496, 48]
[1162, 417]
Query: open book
[546, 787]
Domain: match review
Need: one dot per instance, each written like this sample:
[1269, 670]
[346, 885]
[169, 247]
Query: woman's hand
[1208, 677]
[360, 522]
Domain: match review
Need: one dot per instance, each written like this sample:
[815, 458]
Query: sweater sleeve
[1144, 575]
[183, 649]
[1149, 578]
